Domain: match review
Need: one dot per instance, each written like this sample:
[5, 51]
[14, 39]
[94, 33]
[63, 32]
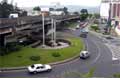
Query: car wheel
[34, 72]
[49, 70]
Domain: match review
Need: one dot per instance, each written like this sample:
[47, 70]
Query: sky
[31, 3]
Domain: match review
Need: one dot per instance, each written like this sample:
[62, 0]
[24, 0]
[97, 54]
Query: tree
[90, 15]
[23, 13]
[5, 9]
[51, 9]
[76, 13]
[84, 14]
[65, 9]
[37, 8]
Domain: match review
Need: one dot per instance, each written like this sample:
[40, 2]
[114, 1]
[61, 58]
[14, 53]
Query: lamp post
[52, 30]
[43, 24]
[109, 19]
[55, 33]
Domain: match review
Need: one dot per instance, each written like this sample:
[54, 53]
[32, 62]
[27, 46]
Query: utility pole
[43, 23]
[109, 19]
[55, 32]
[52, 39]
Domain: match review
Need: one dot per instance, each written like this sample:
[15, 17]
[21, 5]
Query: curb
[52, 64]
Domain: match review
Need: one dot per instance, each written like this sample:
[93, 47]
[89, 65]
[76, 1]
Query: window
[42, 67]
[32, 66]
[38, 67]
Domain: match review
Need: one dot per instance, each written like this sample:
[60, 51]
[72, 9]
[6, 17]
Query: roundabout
[100, 59]
[60, 44]
[28, 55]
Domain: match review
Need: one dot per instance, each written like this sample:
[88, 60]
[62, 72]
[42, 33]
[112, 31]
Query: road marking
[106, 44]
[99, 53]
[113, 56]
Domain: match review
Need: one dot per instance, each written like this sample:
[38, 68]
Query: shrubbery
[56, 54]
[35, 58]
[9, 48]
[95, 27]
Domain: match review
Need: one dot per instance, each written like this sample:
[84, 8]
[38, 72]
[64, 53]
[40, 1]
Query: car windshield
[82, 54]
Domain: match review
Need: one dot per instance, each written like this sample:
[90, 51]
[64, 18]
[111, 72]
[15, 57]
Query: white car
[35, 68]
[84, 54]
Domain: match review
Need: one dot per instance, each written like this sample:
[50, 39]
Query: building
[110, 9]
[13, 15]
[57, 13]
[104, 9]
[45, 11]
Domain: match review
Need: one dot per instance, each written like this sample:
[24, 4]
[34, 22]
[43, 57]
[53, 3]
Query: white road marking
[99, 53]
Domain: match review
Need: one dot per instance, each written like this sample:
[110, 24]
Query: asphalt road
[100, 60]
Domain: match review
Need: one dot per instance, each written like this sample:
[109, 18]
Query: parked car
[84, 54]
[35, 68]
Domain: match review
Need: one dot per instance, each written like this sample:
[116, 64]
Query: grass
[116, 75]
[72, 24]
[22, 57]
[95, 27]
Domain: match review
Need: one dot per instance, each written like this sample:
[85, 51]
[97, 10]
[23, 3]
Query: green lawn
[117, 75]
[22, 58]
[72, 24]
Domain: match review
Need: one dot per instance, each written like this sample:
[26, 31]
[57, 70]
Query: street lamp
[109, 18]
[52, 28]
[43, 24]
[55, 33]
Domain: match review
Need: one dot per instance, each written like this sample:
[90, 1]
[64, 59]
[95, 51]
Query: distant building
[104, 10]
[57, 13]
[45, 11]
[110, 9]
[13, 15]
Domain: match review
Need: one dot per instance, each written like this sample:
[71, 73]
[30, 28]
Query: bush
[35, 58]
[56, 54]
[9, 48]
[2, 51]
[116, 75]
[95, 28]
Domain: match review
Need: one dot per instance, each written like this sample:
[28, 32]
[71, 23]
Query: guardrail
[28, 22]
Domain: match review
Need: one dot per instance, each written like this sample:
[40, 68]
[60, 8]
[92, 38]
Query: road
[100, 60]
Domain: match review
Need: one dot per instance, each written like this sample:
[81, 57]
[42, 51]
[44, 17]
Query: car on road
[35, 68]
[84, 54]
[77, 27]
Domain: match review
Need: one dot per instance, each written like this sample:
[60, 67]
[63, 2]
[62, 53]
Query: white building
[56, 13]
[104, 10]
[13, 15]
[111, 9]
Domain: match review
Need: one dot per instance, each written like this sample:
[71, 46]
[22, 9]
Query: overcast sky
[31, 3]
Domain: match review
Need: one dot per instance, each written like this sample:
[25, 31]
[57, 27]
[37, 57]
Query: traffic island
[28, 55]
[59, 44]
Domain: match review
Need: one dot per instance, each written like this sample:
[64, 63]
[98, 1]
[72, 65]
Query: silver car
[84, 54]
[39, 68]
